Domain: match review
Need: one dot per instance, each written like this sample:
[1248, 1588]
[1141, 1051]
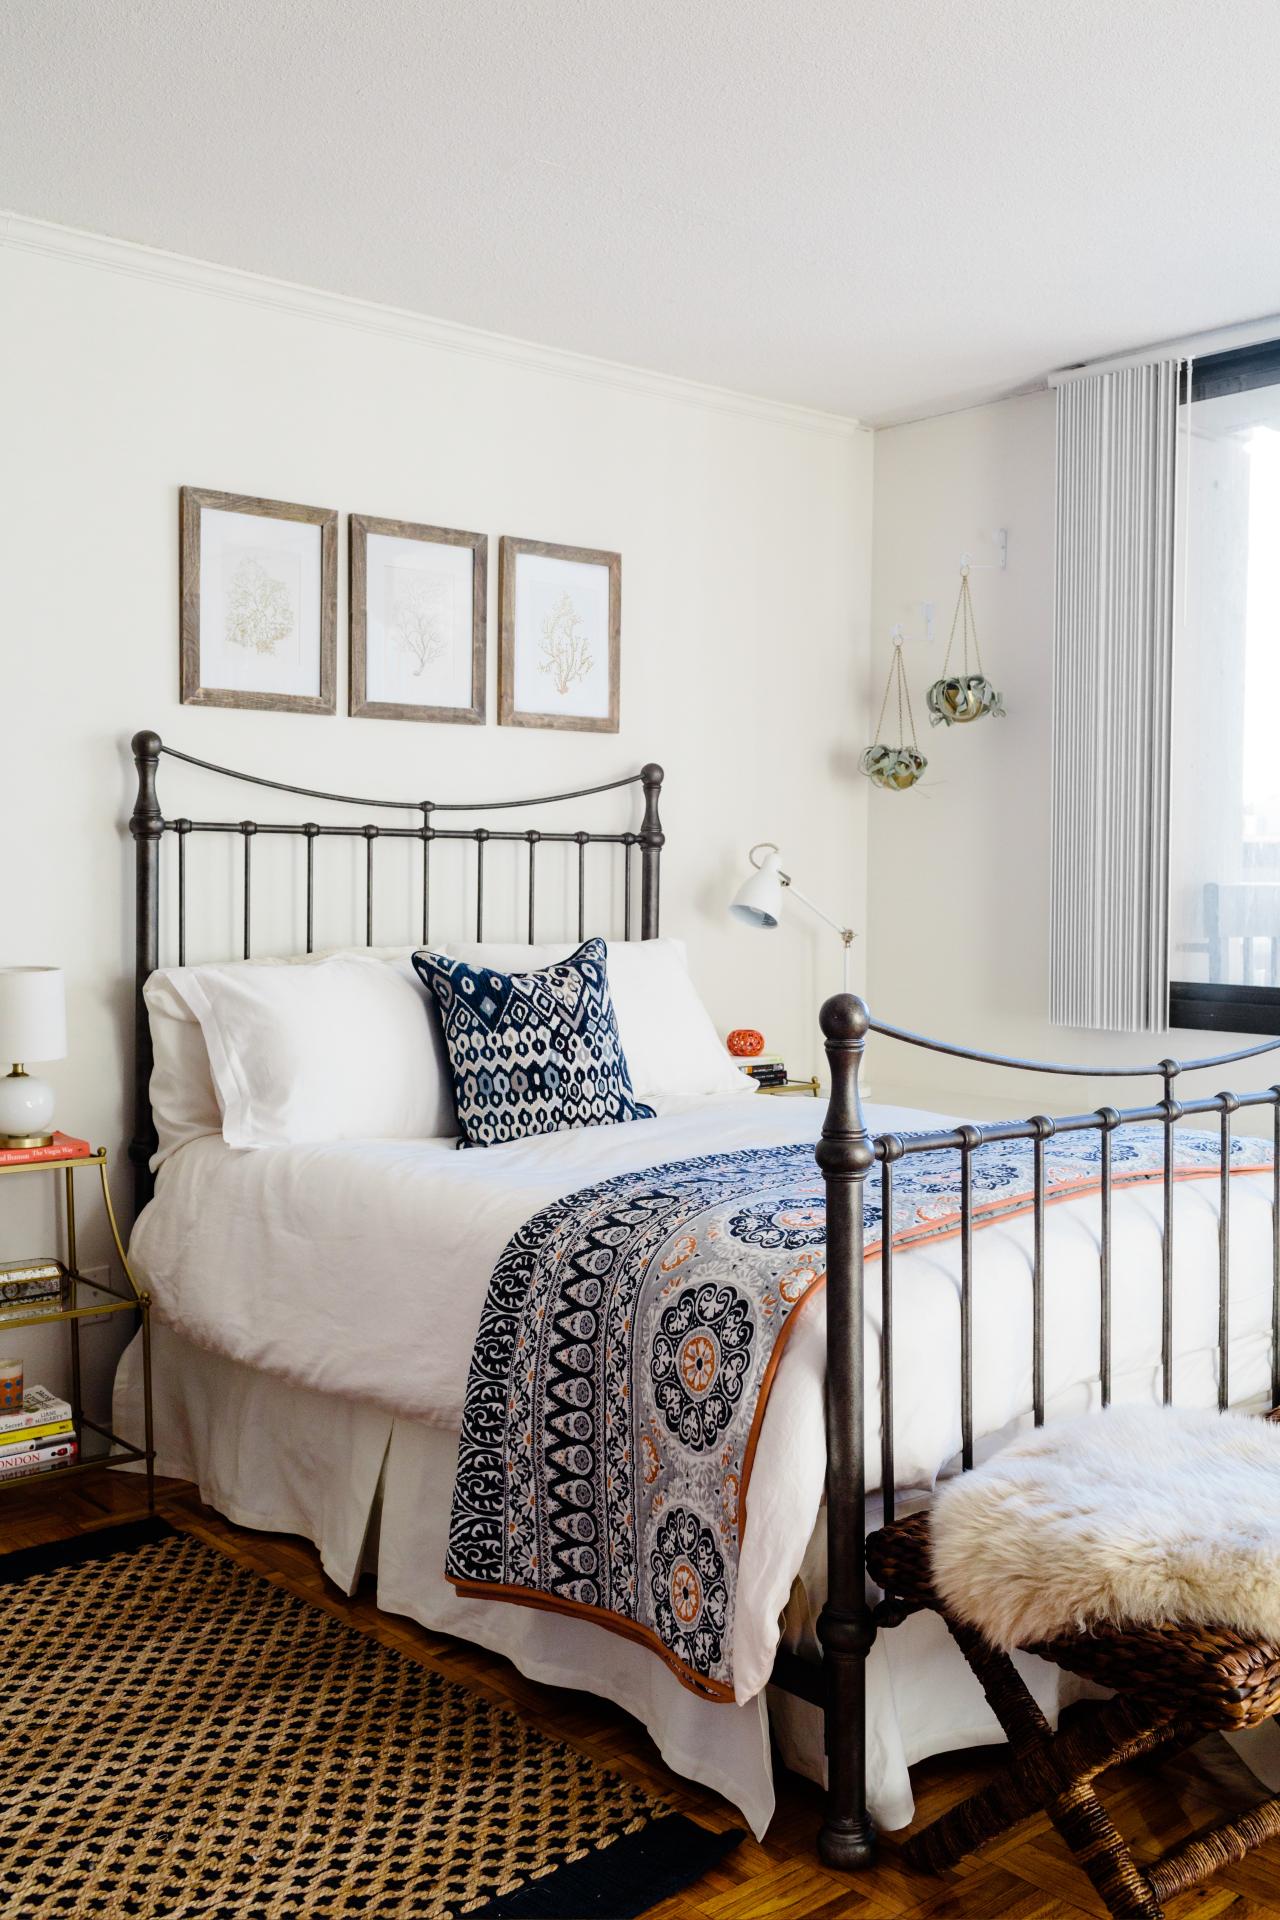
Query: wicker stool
[1173, 1684]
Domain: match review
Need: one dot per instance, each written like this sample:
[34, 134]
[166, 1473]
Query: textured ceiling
[877, 207]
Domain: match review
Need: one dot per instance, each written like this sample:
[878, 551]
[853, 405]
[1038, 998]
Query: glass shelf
[93, 1300]
[99, 1449]
[81, 1302]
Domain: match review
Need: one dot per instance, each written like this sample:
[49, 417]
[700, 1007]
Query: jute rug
[184, 1738]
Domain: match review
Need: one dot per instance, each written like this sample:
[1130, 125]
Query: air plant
[957, 698]
[895, 768]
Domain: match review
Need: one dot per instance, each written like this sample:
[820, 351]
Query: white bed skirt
[372, 1490]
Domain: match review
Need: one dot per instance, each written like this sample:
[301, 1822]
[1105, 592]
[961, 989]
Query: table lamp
[758, 901]
[33, 1026]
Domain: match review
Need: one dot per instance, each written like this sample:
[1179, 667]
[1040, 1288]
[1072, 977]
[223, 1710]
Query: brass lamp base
[12, 1141]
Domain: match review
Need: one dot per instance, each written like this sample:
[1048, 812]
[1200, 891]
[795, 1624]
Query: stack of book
[63, 1146]
[38, 1436]
[31, 1286]
[765, 1068]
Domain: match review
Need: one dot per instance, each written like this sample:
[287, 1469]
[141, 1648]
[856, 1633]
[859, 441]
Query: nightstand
[812, 1087]
[83, 1301]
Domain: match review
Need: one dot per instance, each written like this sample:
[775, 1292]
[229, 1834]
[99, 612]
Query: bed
[302, 1402]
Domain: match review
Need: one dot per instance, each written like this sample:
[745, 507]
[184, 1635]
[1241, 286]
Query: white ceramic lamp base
[26, 1110]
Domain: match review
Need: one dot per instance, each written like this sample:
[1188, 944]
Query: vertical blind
[1112, 690]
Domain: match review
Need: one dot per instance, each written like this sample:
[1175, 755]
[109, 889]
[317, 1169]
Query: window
[1224, 856]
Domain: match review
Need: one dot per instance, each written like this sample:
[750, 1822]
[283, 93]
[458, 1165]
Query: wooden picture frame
[259, 611]
[436, 634]
[553, 620]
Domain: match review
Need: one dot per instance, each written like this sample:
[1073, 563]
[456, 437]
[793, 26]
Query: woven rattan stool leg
[1121, 1731]
[1021, 1790]
[1101, 1852]
[1053, 1773]
[1003, 1803]
[1012, 1797]
[1055, 1777]
[1194, 1860]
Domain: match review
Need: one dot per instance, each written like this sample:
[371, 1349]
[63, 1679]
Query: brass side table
[811, 1087]
[99, 1447]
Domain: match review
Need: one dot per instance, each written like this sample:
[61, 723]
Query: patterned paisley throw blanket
[625, 1353]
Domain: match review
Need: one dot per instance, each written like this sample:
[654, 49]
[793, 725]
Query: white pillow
[184, 1100]
[667, 1035]
[344, 1048]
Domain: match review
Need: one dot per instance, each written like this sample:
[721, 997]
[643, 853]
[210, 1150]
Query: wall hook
[998, 565]
[899, 636]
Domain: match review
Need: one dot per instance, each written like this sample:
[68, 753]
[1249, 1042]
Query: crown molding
[960, 403]
[98, 250]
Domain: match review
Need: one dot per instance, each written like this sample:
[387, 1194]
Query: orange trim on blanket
[604, 1617]
[909, 1237]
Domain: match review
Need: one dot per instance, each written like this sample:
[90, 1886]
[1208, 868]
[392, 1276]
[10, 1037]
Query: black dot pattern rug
[185, 1738]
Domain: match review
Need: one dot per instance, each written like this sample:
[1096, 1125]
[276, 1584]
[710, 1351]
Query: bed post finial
[146, 824]
[651, 839]
[845, 1627]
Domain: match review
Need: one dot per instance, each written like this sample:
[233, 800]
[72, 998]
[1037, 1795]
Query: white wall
[744, 530]
[958, 867]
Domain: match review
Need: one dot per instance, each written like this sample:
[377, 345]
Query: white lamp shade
[33, 1014]
[758, 901]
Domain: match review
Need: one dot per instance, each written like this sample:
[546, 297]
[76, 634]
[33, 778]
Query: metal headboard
[149, 826]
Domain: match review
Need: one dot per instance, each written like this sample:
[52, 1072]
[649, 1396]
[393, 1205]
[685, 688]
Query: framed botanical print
[418, 603]
[259, 603]
[558, 663]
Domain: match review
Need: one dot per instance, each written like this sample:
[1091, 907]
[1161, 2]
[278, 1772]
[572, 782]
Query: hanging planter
[895, 768]
[958, 698]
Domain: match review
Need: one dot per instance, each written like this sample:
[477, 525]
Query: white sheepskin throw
[1129, 1517]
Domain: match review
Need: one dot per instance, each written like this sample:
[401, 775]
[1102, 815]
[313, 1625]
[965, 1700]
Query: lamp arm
[847, 934]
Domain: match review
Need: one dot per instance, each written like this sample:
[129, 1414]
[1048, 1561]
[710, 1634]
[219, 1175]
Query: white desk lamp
[758, 901]
[33, 1026]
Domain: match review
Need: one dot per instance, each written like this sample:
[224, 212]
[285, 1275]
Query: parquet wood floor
[1028, 1876]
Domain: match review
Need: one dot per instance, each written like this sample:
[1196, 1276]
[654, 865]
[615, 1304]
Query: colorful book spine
[39, 1408]
[23, 1465]
[28, 1437]
[767, 1073]
[61, 1147]
[54, 1447]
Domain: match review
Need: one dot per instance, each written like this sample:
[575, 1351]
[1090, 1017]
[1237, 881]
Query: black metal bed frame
[148, 826]
[846, 1154]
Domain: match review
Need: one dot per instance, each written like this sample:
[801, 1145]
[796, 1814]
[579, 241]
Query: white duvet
[360, 1269]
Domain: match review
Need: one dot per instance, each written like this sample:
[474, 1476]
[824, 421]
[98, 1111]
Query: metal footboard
[848, 1155]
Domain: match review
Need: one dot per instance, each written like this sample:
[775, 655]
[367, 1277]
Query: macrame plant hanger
[957, 698]
[895, 768]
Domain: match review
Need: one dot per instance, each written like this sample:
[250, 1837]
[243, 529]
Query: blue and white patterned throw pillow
[532, 1052]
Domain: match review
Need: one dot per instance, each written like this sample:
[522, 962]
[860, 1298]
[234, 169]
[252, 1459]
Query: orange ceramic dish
[745, 1043]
